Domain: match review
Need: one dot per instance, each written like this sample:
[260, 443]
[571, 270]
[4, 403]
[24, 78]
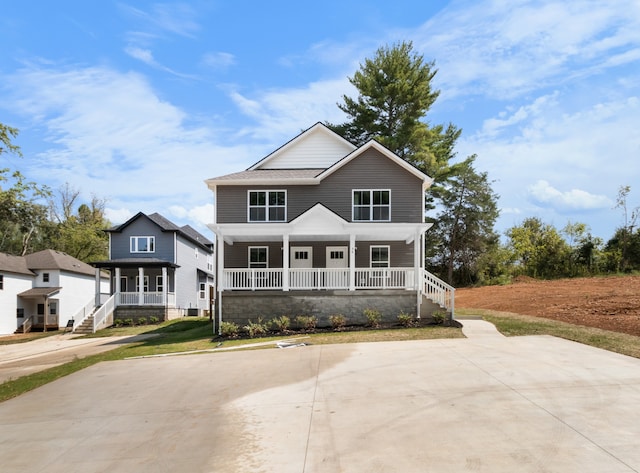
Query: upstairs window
[45, 277]
[371, 205]
[143, 244]
[267, 206]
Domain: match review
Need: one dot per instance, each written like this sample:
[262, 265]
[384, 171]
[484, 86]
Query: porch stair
[85, 327]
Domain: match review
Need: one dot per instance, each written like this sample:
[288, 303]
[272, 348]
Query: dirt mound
[611, 303]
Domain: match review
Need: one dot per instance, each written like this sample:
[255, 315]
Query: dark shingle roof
[51, 259]
[14, 264]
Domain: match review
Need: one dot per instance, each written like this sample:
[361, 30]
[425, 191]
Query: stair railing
[83, 313]
[105, 310]
[439, 291]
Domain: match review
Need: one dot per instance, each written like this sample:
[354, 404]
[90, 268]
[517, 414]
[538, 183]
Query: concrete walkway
[484, 404]
[20, 359]
[475, 327]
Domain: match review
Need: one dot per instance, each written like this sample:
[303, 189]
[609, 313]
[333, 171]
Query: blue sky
[139, 102]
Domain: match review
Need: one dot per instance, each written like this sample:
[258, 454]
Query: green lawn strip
[511, 325]
[27, 337]
[197, 336]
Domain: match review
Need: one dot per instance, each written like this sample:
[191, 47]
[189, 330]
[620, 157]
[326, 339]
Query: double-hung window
[159, 283]
[145, 282]
[379, 256]
[371, 205]
[258, 257]
[143, 244]
[267, 206]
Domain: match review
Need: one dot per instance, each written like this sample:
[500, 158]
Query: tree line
[34, 218]
[395, 94]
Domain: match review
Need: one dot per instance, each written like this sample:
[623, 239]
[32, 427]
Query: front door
[337, 256]
[301, 257]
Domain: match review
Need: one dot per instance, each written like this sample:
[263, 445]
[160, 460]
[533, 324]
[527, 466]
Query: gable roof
[14, 264]
[264, 172]
[52, 259]
[166, 225]
[316, 147]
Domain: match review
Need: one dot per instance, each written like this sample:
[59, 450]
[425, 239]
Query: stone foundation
[239, 306]
[124, 312]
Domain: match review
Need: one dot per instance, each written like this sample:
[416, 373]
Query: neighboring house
[158, 269]
[44, 290]
[322, 227]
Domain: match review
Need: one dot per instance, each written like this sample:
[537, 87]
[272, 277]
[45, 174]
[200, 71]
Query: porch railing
[439, 291]
[148, 298]
[253, 279]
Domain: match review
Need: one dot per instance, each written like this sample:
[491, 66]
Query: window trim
[145, 283]
[251, 264]
[388, 262]
[266, 206]
[202, 289]
[159, 283]
[371, 206]
[46, 277]
[151, 242]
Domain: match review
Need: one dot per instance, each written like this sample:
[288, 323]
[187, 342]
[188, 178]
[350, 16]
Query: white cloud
[544, 194]
[218, 60]
[176, 18]
[117, 216]
[505, 49]
[144, 55]
[111, 135]
[200, 215]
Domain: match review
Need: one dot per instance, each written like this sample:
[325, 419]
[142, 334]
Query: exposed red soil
[610, 303]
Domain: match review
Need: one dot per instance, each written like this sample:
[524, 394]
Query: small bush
[338, 321]
[281, 324]
[118, 323]
[373, 317]
[142, 321]
[439, 316]
[406, 320]
[129, 322]
[153, 319]
[229, 329]
[255, 329]
[307, 322]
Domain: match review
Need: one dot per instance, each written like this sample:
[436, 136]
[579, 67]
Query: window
[267, 206]
[371, 206]
[203, 290]
[336, 254]
[143, 244]
[20, 312]
[45, 277]
[159, 284]
[146, 284]
[304, 255]
[53, 308]
[379, 256]
[258, 257]
[1, 282]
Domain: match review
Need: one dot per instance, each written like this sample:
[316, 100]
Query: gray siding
[164, 247]
[187, 275]
[371, 170]
[401, 254]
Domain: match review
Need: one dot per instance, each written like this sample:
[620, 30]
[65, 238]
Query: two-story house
[157, 269]
[44, 290]
[321, 227]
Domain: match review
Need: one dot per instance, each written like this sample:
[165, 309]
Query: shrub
[373, 317]
[281, 323]
[118, 322]
[229, 329]
[439, 316]
[153, 319]
[255, 329]
[129, 322]
[338, 321]
[307, 322]
[406, 320]
[142, 321]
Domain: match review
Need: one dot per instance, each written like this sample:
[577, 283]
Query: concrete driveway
[487, 403]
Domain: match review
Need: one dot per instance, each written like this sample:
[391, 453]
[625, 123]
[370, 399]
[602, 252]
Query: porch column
[416, 260]
[352, 262]
[285, 262]
[141, 286]
[97, 301]
[116, 289]
[165, 286]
